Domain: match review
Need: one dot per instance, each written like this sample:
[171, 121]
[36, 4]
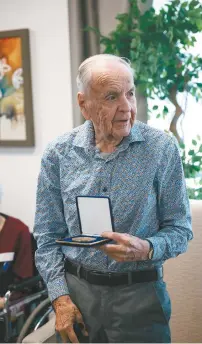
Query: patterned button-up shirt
[145, 182]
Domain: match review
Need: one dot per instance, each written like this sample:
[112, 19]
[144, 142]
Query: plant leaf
[194, 142]
[155, 107]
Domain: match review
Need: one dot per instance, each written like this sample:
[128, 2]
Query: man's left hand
[128, 248]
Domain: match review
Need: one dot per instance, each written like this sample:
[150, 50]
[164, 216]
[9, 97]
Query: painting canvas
[16, 113]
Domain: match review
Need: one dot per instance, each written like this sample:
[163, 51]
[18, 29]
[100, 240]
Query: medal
[83, 239]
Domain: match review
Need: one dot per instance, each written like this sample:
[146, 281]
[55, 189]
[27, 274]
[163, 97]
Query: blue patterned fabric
[145, 182]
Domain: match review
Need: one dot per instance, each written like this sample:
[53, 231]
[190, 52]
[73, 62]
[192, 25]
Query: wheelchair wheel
[37, 313]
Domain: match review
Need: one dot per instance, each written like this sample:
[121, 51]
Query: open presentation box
[95, 216]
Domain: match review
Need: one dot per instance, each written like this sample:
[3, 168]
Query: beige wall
[107, 13]
[184, 281]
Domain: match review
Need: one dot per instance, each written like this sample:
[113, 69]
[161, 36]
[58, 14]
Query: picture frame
[16, 106]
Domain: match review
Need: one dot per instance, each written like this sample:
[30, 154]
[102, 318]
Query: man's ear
[82, 101]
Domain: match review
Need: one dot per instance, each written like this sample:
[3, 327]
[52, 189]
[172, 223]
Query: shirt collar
[85, 137]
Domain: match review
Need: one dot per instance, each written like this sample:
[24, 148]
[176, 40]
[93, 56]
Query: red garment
[15, 237]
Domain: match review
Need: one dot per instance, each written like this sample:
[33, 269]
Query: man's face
[110, 103]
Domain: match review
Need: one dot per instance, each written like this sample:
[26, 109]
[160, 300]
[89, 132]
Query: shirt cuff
[57, 288]
[159, 246]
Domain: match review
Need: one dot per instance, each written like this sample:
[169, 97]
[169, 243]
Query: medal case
[95, 216]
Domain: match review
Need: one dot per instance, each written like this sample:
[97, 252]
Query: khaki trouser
[136, 313]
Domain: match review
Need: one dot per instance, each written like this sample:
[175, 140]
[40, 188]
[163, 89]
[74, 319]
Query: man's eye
[111, 97]
[131, 93]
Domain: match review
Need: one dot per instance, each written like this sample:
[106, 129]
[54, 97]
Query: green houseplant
[192, 165]
[157, 44]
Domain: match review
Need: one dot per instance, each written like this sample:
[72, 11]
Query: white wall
[47, 21]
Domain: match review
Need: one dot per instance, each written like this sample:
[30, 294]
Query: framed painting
[16, 110]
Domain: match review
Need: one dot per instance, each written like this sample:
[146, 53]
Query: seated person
[16, 258]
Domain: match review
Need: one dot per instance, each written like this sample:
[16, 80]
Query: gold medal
[83, 239]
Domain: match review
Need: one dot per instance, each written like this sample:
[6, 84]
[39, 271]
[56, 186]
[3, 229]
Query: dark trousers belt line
[113, 278]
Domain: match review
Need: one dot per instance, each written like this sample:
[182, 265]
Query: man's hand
[128, 248]
[2, 302]
[67, 314]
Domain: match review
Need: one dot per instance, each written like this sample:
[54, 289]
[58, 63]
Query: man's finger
[113, 249]
[72, 335]
[83, 329]
[63, 336]
[121, 238]
[81, 324]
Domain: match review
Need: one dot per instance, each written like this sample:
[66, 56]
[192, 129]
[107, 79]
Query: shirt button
[104, 189]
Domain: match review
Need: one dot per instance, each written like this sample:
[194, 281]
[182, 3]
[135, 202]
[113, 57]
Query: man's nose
[124, 104]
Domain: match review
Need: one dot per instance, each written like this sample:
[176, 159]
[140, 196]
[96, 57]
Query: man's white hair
[85, 69]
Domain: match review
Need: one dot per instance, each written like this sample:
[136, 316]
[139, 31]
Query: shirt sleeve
[175, 228]
[50, 225]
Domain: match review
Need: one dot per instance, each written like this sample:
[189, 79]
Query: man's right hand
[67, 314]
[2, 302]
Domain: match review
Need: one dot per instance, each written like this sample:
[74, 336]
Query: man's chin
[124, 132]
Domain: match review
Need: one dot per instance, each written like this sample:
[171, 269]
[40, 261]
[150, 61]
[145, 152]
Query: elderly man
[116, 292]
